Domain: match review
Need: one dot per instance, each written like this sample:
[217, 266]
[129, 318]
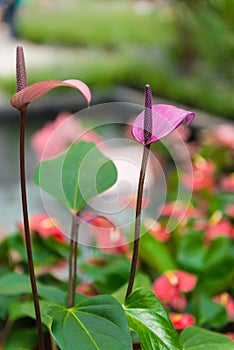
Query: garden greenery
[179, 297]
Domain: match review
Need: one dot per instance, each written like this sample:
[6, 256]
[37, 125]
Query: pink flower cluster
[171, 288]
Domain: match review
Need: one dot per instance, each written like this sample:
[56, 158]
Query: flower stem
[138, 220]
[27, 232]
[75, 266]
[72, 262]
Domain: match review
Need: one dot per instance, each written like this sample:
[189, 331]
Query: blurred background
[183, 48]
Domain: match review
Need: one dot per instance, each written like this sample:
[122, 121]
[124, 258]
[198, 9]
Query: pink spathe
[24, 97]
[165, 119]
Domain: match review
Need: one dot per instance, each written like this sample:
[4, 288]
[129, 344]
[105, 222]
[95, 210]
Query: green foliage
[184, 52]
[148, 318]
[156, 254]
[96, 323]
[68, 24]
[109, 276]
[77, 175]
[194, 338]
[13, 284]
[193, 243]
[21, 339]
[208, 312]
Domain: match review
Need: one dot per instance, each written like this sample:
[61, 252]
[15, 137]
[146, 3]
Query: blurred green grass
[94, 23]
[185, 54]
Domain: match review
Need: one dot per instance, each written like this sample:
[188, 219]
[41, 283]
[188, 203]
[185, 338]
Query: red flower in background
[229, 210]
[230, 335]
[227, 301]
[222, 229]
[66, 129]
[87, 288]
[221, 135]
[45, 226]
[156, 230]
[182, 321]
[227, 183]
[171, 286]
[177, 209]
[218, 227]
[203, 175]
[109, 239]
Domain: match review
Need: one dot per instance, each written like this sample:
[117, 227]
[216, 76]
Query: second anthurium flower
[28, 93]
[163, 119]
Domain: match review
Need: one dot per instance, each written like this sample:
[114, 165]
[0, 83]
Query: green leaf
[21, 309]
[191, 252]
[140, 280]
[5, 302]
[15, 284]
[219, 257]
[156, 254]
[209, 312]
[218, 266]
[76, 176]
[195, 338]
[98, 323]
[51, 293]
[148, 318]
[48, 176]
[109, 276]
[21, 338]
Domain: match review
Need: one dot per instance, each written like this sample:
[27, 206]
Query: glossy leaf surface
[148, 318]
[98, 323]
[195, 338]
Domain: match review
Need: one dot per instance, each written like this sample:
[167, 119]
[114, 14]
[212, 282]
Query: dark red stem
[27, 232]
[138, 220]
[72, 263]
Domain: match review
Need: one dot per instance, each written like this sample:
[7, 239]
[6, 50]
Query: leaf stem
[27, 232]
[138, 220]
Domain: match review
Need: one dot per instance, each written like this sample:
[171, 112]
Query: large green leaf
[148, 318]
[195, 338]
[98, 323]
[76, 176]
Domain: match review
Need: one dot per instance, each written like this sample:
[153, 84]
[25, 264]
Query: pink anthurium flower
[30, 93]
[182, 321]
[108, 237]
[45, 226]
[87, 288]
[230, 335]
[165, 119]
[171, 286]
[227, 301]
